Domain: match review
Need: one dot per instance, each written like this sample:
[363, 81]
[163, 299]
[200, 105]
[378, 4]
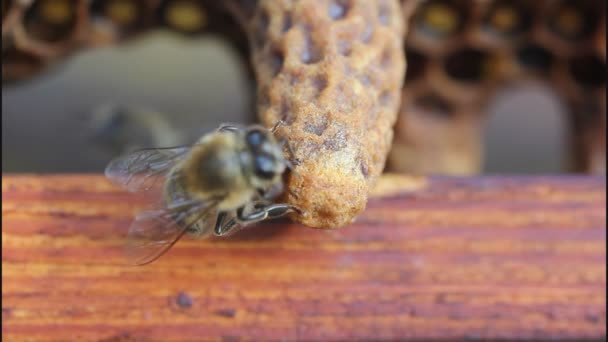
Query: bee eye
[265, 166]
[255, 139]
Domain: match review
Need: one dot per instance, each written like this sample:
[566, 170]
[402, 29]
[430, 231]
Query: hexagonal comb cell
[508, 18]
[441, 18]
[51, 20]
[184, 16]
[416, 65]
[124, 14]
[468, 65]
[535, 57]
[588, 70]
[574, 20]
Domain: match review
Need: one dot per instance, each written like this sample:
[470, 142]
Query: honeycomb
[330, 69]
[36, 35]
[460, 53]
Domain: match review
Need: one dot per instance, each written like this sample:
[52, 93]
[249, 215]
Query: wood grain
[497, 257]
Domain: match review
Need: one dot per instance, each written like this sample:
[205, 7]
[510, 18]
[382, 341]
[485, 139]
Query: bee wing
[154, 232]
[142, 169]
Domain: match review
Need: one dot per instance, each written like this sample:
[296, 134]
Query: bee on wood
[226, 180]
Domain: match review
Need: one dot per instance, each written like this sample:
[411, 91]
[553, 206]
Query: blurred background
[55, 122]
[164, 88]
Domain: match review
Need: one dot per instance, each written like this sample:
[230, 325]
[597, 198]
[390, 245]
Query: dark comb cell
[535, 57]
[468, 65]
[432, 104]
[588, 71]
[416, 65]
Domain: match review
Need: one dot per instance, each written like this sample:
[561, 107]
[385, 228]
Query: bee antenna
[292, 162]
[276, 125]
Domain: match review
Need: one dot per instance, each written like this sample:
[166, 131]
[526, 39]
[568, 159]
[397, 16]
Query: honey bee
[226, 180]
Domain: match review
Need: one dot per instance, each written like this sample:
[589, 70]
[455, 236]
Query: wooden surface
[447, 258]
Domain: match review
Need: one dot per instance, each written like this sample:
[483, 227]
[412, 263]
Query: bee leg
[222, 228]
[229, 128]
[267, 212]
[292, 162]
[262, 213]
[276, 125]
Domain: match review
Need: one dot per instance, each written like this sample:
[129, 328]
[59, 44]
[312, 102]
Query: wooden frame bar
[445, 258]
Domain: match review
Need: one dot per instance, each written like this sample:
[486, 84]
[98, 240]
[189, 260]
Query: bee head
[267, 156]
